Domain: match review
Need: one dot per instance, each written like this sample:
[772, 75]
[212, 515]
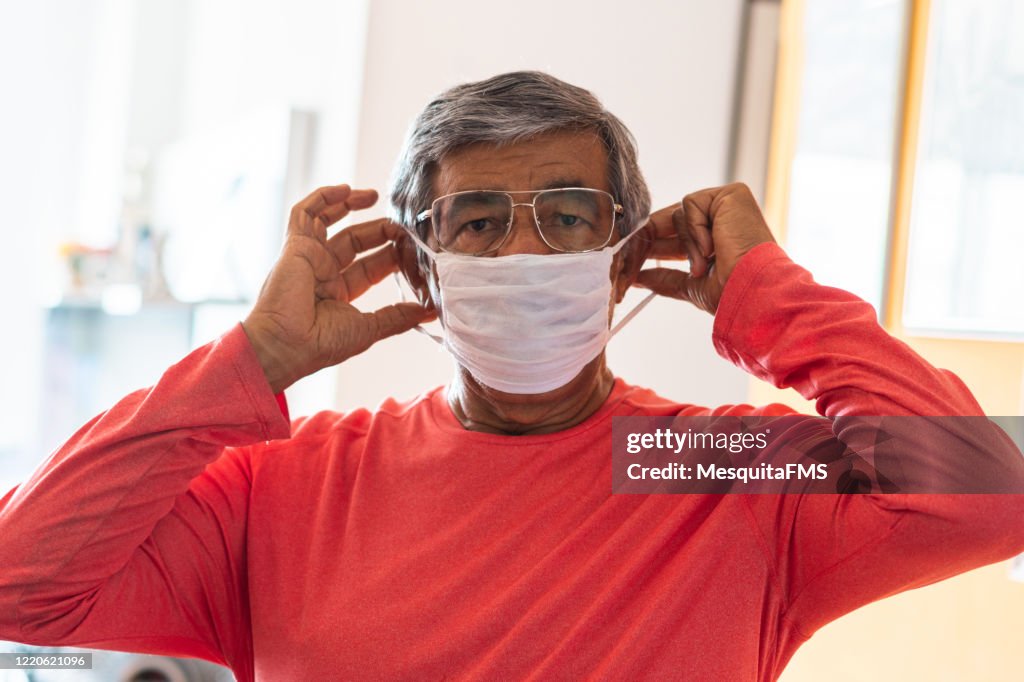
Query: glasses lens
[472, 222]
[575, 219]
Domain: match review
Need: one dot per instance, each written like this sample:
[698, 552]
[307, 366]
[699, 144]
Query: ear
[414, 268]
[631, 259]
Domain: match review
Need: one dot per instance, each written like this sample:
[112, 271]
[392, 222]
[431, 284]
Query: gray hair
[505, 109]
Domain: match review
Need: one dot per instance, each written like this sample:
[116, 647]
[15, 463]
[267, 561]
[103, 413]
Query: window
[966, 222]
[841, 172]
[898, 146]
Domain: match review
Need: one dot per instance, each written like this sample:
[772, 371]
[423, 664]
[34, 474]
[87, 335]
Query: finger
[665, 282]
[331, 203]
[358, 199]
[696, 209]
[320, 262]
[668, 249]
[698, 264]
[696, 215]
[661, 221]
[701, 234]
[666, 244]
[699, 291]
[322, 197]
[355, 239]
[398, 318]
[365, 272]
[306, 211]
[351, 283]
[326, 206]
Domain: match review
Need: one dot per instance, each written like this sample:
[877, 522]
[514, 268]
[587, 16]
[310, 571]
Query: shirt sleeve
[132, 535]
[834, 553]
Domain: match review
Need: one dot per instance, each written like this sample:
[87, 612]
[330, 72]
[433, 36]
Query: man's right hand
[713, 229]
[304, 319]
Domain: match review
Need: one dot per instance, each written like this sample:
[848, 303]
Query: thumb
[681, 285]
[666, 282]
[398, 318]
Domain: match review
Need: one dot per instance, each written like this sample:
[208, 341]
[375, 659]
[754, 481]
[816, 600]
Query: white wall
[306, 54]
[243, 56]
[84, 82]
[366, 67]
[45, 70]
[666, 69]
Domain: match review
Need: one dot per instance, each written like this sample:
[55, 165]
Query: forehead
[560, 159]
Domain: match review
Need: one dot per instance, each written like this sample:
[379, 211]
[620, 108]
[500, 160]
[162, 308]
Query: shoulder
[391, 413]
[644, 401]
[331, 428]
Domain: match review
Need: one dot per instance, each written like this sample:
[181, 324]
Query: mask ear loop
[401, 291]
[632, 313]
[420, 328]
[639, 306]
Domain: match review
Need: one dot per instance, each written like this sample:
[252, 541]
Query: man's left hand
[713, 229]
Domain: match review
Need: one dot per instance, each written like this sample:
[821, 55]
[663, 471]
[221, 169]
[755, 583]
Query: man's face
[563, 159]
[560, 159]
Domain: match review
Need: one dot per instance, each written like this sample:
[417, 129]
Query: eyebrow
[564, 182]
[557, 183]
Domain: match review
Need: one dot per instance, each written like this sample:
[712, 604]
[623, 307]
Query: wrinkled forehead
[560, 159]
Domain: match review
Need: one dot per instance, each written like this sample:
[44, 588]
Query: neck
[480, 408]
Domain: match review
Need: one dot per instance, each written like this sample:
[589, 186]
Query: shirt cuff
[271, 409]
[744, 275]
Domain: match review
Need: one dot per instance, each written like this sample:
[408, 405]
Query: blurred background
[150, 150]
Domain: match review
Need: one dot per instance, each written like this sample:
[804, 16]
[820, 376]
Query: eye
[565, 220]
[478, 225]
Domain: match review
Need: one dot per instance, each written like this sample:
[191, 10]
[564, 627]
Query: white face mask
[526, 323]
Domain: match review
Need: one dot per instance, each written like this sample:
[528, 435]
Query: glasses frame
[617, 210]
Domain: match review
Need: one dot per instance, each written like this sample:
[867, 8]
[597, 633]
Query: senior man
[471, 533]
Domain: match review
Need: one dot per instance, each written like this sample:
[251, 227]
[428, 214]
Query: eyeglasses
[477, 222]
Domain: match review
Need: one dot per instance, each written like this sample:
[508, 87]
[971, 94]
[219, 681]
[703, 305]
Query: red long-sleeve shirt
[193, 519]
